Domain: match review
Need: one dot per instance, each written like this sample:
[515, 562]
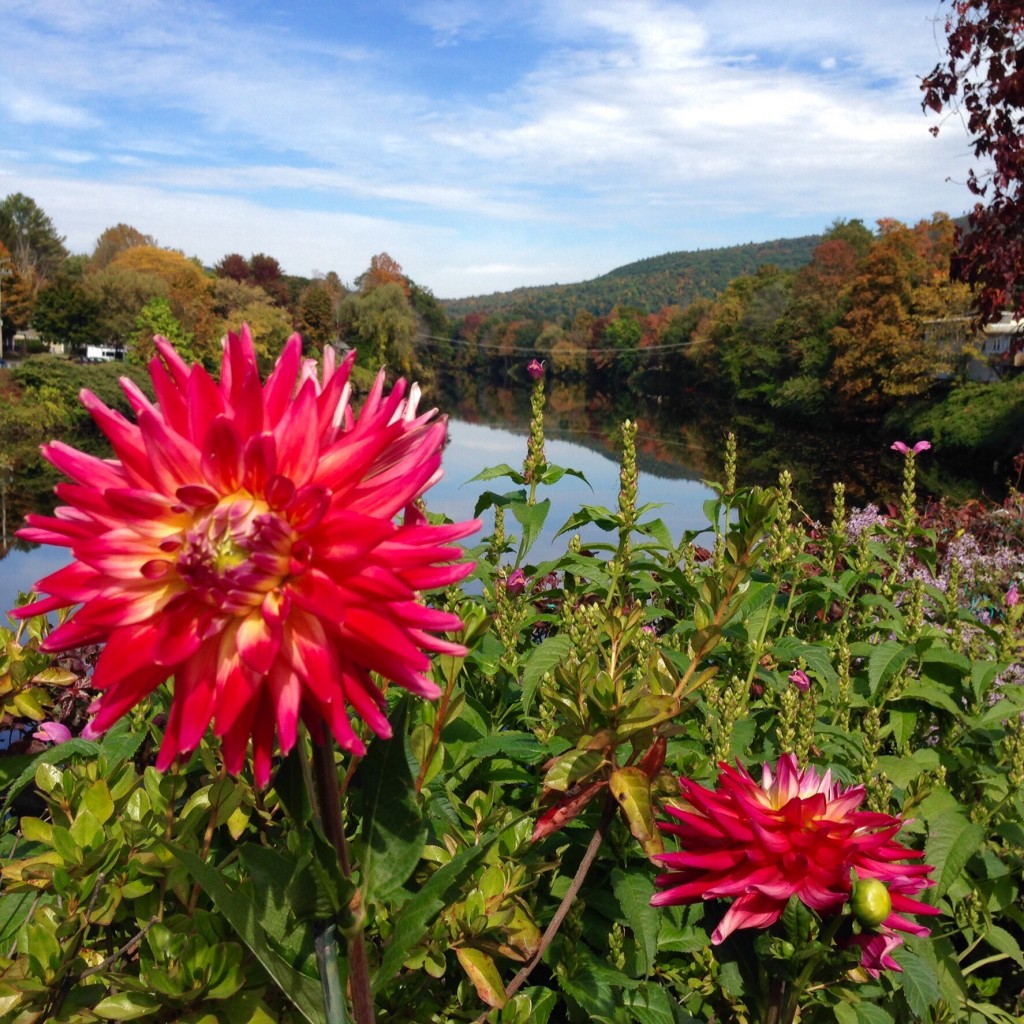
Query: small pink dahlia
[795, 834]
[258, 542]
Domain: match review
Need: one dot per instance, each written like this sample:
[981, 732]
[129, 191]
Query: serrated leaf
[500, 470]
[532, 519]
[885, 660]
[634, 891]
[523, 747]
[953, 840]
[790, 650]
[545, 657]
[920, 982]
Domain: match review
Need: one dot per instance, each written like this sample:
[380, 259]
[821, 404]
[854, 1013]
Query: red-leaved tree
[982, 77]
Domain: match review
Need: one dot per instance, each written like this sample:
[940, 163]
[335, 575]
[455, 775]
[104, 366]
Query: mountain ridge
[651, 283]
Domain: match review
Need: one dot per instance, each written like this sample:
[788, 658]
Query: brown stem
[563, 908]
[325, 780]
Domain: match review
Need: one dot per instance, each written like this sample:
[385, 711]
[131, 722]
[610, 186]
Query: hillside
[676, 278]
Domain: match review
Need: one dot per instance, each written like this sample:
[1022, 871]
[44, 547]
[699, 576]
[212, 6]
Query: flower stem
[328, 800]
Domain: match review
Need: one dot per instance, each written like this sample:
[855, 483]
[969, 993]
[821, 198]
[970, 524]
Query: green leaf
[532, 519]
[885, 661]
[482, 972]
[126, 1006]
[55, 755]
[1001, 940]
[901, 771]
[634, 890]
[872, 1013]
[242, 914]
[494, 472]
[544, 658]
[517, 746]
[920, 982]
[789, 649]
[393, 830]
[442, 888]
[571, 767]
[952, 842]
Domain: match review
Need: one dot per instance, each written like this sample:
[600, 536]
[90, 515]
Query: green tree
[382, 323]
[31, 238]
[66, 313]
[121, 294]
[157, 317]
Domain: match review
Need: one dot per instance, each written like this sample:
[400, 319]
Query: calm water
[472, 448]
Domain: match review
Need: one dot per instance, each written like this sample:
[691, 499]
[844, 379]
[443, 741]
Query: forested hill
[676, 278]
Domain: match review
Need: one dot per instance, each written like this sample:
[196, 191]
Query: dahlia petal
[204, 402]
[751, 911]
[222, 456]
[258, 644]
[280, 385]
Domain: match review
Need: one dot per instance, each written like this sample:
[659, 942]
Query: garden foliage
[501, 840]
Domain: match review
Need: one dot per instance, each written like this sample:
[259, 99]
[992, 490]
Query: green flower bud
[871, 902]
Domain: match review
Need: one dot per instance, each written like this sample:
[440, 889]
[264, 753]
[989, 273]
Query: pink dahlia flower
[249, 540]
[795, 834]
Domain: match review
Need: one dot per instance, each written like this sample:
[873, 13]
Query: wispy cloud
[560, 135]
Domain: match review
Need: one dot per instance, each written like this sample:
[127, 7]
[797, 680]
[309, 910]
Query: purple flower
[800, 679]
[921, 446]
[1012, 596]
[535, 368]
[53, 732]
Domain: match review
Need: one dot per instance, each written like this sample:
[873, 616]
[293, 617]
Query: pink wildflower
[52, 732]
[535, 368]
[245, 540]
[1012, 596]
[903, 449]
[800, 679]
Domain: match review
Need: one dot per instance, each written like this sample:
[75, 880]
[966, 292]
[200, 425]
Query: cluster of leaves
[500, 843]
[979, 77]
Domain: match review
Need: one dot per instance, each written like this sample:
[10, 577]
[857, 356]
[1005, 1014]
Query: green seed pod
[871, 902]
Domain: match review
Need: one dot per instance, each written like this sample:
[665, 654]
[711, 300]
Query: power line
[533, 350]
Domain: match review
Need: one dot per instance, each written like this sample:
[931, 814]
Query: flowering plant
[492, 859]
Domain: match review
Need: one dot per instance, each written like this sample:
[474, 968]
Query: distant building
[992, 353]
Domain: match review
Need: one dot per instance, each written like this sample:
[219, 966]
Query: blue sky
[484, 145]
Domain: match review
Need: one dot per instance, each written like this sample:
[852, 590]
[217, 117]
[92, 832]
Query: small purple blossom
[800, 679]
[903, 449]
[1012, 596]
[53, 732]
[535, 368]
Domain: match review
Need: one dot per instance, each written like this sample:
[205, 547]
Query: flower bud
[871, 902]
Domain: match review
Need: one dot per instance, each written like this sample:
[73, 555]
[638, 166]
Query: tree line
[130, 288]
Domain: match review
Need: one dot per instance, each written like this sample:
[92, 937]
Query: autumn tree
[116, 240]
[383, 270]
[16, 297]
[30, 237]
[120, 294]
[187, 292]
[235, 267]
[981, 77]
[317, 323]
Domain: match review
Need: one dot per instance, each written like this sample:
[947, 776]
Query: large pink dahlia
[797, 834]
[246, 540]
